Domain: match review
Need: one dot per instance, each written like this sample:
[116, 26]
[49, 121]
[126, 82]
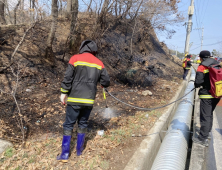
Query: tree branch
[13, 54]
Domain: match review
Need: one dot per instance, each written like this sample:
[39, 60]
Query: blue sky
[207, 14]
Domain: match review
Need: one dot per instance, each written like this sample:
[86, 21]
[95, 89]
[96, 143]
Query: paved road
[214, 153]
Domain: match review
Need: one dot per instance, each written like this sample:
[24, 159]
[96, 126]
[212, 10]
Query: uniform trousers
[76, 113]
[185, 73]
[207, 107]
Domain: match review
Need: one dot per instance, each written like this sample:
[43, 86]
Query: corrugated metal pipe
[172, 154]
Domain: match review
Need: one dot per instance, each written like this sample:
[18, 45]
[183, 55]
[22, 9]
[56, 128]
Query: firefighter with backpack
[186, 65]
[207, 74]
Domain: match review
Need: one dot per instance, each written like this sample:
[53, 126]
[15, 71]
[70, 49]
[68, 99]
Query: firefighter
[78, 90]
[186, 66]
[207, 102]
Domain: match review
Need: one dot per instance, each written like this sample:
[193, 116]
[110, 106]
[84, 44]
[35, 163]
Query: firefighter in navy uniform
[78, 91]
[207, 102]
[186, 67]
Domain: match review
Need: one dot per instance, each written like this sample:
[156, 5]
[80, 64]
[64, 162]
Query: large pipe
[172, 154]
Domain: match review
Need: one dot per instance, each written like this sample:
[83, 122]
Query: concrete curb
[4, 145]
[144, 156]
[198, 153]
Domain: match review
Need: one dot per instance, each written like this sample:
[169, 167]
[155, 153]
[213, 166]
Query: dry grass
[42, 154]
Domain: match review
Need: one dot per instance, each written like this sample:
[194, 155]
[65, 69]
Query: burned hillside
[131, 53]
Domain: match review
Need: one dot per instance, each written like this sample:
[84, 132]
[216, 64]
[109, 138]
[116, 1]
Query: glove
[63, 98]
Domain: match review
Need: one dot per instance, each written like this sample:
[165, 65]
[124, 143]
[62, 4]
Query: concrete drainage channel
[168, 150]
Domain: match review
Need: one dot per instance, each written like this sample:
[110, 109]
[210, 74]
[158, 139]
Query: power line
[197, 21]
[194, 48]
[213, 43]
[207, 45]
[202, 3]
[205, 11]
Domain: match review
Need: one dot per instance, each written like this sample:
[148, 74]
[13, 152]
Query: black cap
[204, 54]
[189, 56]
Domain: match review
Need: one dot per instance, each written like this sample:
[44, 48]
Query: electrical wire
[206, 45]
[205, 11]
[197, 23]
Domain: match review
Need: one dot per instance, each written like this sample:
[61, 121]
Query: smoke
[109, 113]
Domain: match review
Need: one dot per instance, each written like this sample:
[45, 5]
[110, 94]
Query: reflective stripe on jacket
[80, 81]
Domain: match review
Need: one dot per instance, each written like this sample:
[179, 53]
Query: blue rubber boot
[80, 143]
[65, 149]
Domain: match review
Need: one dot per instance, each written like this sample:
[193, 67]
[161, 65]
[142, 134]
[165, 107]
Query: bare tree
[48, 52]
[15, 11]
[2, 12]
[68, 9]
[9, 14]
[89, 6]
[137, 10]
[32, 9]
[102, 17]
[60, 7]
[161, 13]
[128, 6]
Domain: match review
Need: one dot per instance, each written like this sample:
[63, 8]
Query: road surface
[214, 153]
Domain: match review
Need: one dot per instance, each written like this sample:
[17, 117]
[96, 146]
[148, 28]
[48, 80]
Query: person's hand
[63, 98]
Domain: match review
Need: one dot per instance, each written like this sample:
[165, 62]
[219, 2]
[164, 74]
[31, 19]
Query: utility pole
[189, 26]
[201, 36]
[176, 51]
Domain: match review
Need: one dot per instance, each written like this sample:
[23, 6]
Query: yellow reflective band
[82, 63]
[205, 97]
[64, 91]
[187, 68]
[206, 71]
[80, 100]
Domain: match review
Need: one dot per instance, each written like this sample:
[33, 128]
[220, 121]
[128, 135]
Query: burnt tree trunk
[49, 55]
[2, 13]
[74, 16]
